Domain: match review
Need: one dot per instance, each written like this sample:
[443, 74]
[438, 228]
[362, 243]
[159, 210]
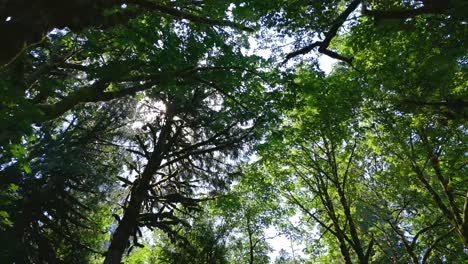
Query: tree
[61, 195]
[429, 154]
[250, 210]
[185, 147]
[323, 160]
[285, 258]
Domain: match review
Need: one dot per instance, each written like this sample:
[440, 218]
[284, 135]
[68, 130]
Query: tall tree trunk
[362, 256]
[251, 244]
[340, 234]
[127, 226]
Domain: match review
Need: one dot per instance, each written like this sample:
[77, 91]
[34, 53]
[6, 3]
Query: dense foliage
[206, 131]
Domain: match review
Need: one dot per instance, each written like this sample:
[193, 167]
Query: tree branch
[296, 201]
[180, 14]
[332, 32]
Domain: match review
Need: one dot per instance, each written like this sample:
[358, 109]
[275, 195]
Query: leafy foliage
[149, 131]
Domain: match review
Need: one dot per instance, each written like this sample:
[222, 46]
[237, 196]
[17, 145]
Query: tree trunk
[127, 226]
[251, 245]
[352, 228]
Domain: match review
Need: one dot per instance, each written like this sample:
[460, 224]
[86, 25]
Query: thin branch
[423, 230]
[345, 176]
[296, 201]
[220, 90]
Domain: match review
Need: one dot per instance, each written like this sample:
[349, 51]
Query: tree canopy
[201, 131]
